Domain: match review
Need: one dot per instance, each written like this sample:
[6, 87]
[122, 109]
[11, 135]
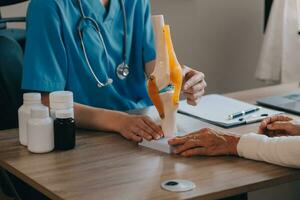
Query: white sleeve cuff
[283, 151]
[248, 145]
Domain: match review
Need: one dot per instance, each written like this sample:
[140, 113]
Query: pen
[254, 120]
[242, 113]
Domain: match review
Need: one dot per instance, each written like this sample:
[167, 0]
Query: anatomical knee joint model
[164, 84]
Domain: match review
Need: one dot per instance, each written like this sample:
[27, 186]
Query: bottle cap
[64, 114]
[61, 97]
[39, 112]
[36, 97]
[61, 106]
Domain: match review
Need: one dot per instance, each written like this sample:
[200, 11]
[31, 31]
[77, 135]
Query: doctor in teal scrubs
[56, 60]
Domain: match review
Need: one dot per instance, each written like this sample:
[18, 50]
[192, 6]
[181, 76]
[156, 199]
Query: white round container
[30, 100]
[40, 131]
[61, 100]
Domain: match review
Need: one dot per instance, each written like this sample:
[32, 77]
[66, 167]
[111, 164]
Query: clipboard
[215, 109]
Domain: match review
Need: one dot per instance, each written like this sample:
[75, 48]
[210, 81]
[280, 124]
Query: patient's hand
[279, 125]
[206, 142]
[193, 85]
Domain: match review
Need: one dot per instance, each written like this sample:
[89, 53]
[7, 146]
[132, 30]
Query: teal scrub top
[54, 59]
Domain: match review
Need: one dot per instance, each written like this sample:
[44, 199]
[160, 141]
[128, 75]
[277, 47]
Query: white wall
[13, 11]
[220, 37]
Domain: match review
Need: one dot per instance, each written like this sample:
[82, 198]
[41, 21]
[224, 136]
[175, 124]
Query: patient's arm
[283, 151]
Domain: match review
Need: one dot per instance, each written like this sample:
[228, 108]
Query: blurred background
[222, 38]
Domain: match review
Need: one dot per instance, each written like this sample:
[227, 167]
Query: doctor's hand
[206, 142]
[137, 128]
[279, 125]
[193, 85]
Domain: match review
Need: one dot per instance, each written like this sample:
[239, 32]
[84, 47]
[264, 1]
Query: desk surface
[106, 166]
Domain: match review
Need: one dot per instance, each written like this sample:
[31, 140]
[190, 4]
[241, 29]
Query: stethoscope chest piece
[122, 70]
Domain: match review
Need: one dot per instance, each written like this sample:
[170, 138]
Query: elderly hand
[279, 125]
[206, 142]
[193, 85]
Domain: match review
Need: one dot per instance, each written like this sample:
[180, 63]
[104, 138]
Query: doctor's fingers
[198, 87]
[191, 102]
[157, 129]
[194, 96]
[131, 136]
[192, 78]
[140, 132]
[145, 127]
[192, 99]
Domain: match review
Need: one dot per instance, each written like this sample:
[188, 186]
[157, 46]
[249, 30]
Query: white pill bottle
[61, 100]
[40, 130]
[30, 100]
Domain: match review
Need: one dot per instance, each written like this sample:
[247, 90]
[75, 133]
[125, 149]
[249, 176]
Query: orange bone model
[154, 96]
[175, 76]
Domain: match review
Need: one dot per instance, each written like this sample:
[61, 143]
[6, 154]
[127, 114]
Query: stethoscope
[122, 69]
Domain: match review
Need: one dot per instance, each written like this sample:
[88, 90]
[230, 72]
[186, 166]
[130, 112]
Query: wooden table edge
[30, 181]
[248, 188]
[214, 195]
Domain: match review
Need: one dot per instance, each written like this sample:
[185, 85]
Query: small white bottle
[61, 100]
[29, 100]
[40, 131]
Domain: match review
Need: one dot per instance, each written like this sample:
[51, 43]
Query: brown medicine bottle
[64, 130]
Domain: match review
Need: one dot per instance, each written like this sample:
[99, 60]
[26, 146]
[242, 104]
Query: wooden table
[106, 166]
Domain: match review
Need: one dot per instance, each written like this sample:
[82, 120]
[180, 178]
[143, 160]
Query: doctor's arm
[132, 127]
